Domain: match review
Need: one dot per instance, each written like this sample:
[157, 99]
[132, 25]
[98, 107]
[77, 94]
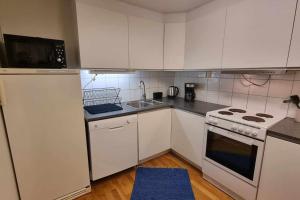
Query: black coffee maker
[189, 89]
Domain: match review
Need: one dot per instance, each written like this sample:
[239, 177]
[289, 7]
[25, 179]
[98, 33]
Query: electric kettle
[173, 91]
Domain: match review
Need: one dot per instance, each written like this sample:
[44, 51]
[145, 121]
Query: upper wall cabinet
[103, 37]
[204, 36]
[145, 43]
[174, 45]
[258, 33]
[294, 59]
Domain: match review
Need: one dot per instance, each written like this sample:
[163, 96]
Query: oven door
[237, 154]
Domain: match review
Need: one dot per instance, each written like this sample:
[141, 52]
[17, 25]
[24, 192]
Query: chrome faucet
[143, 97]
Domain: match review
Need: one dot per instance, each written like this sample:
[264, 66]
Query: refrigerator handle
[2, 93]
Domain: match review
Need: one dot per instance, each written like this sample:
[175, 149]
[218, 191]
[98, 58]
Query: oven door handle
[249, 142]
[230, 135]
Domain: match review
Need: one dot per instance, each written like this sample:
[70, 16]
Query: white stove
[249, 123]
[233, 149]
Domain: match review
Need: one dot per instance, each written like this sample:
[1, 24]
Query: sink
[143, 104]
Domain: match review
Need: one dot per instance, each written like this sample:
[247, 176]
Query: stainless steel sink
[143, 104]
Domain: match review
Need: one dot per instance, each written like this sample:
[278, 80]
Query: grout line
[292, 34]
[224, 35]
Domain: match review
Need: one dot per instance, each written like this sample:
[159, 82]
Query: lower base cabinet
[187, 135]
[280, 175]
[154, 129]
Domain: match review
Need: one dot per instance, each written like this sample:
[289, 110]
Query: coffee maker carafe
[189, 91]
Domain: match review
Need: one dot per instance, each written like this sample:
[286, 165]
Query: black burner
[225, 113]
[264, 115]
[237, 110]
[253, 119]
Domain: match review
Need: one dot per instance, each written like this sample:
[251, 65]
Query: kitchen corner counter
[287, 129]
[197, 107]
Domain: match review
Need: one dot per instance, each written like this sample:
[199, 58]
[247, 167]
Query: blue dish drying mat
[162, 184]
[102, 108]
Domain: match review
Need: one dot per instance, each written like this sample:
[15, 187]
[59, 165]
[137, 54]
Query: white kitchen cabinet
[294, 58]
[154, 129]
[204, 36]
[280, 175]
[187, 135]
[258, 33]
[103, 37]
[145, 43]
[174, 44]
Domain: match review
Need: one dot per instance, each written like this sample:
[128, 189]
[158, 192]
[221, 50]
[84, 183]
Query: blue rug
[162, 184]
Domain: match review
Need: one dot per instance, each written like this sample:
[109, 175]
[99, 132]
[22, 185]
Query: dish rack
[98, 96]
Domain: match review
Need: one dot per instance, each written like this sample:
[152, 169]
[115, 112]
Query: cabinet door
[174, 45]
[145, 43]
[280, 175]
[187, 135]
[154, 132]
[204, 36]
[258, 33]
[103, 37]
[294, 58]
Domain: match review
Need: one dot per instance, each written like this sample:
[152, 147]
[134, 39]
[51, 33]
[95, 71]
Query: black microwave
[33, 52]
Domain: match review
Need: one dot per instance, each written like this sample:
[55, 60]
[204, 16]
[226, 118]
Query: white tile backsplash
[226, 89]
[257, 103]
[296, 88]
[212, 96]
[262, 90]
[213, 84]
[233, 90]
[226, 85]
[225, 98]
[129, 83]
[280, 88]
[240, 86]
[276, 106]
[239, 100]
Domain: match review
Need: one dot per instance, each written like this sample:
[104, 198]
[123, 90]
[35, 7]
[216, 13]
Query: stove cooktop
[246, 117]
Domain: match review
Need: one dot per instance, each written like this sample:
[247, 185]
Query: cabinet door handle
[116, 128]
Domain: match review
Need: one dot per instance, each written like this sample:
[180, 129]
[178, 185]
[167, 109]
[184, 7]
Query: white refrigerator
[8, 187]
[44, 121]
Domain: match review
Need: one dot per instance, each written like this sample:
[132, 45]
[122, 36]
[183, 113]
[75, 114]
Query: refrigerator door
[8, 187]
[45, 126]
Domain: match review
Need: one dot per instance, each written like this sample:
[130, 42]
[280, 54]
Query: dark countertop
[197, 107]
[287, 129]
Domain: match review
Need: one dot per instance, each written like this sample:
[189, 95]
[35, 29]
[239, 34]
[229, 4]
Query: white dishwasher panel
[113, 145]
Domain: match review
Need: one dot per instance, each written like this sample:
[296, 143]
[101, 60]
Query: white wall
[129, 83]
[232, 90]
[43, 18]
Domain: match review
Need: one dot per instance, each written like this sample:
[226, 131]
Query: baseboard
[76, 194]
[186, 160]
[223, 188]
[154, 156]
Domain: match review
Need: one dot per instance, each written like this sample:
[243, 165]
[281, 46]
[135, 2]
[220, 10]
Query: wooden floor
[119, 186]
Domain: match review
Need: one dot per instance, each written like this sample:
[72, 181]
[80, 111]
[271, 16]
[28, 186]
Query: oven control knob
[234, 127]
[240, 129]
[247, 131]
[211, 128]
[215, 122]
[59, 59]
[212, 121]
[254, 134]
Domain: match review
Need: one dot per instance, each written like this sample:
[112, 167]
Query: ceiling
[167, 6]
